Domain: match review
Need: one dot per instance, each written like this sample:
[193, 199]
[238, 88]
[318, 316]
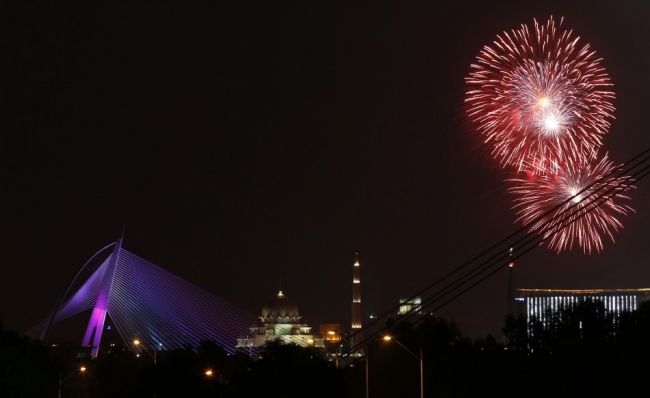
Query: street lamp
[81, 370]
[367, 372]
[139, 344]
[208, 373]
[388, 338]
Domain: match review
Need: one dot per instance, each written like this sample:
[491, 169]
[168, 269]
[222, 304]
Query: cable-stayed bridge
[144, 301]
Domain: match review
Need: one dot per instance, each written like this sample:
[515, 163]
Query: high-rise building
[357, 316]
[537, 304]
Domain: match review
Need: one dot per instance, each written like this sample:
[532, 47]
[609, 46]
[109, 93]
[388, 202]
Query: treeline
[582, 351]
[27, 368]
[30, 369]
[579, 351]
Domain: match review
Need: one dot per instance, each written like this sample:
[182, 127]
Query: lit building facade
[331, 332]
[536, 304]
[280, 320]
[406, 306]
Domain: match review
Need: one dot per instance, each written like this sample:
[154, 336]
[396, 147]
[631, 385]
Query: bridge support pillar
[93, 336]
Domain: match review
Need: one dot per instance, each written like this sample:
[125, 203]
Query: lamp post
[82, 369]
[367, 373]
[139, 344]
[388, 338]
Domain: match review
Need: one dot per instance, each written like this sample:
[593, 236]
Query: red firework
[595, 212]
[539, 98]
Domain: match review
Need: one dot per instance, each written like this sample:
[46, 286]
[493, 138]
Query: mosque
[280, 320]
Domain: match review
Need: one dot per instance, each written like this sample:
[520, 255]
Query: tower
[356, 335]
[511, 287]
[93, 336]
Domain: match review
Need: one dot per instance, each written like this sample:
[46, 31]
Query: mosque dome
[280, 307]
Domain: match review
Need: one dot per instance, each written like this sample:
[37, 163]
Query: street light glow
[387, 337]
[208, 372]
[82, 369]
[136, 342]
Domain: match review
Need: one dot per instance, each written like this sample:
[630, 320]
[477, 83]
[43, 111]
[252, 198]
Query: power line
[497, 257]
[534, 244]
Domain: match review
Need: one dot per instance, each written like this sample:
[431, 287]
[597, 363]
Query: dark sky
[242, 144]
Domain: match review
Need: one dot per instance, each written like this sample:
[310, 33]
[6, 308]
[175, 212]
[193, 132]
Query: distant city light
[208, 372]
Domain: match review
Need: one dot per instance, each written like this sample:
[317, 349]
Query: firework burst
[540, 99]
[580, 204]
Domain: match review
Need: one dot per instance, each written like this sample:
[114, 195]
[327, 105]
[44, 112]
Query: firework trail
[535, 195]
[539, 98]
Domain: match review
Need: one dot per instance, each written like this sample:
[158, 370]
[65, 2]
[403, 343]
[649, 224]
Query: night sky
[244, 146]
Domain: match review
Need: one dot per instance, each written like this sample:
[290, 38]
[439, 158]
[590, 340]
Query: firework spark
[592, 195]
[539, 98]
